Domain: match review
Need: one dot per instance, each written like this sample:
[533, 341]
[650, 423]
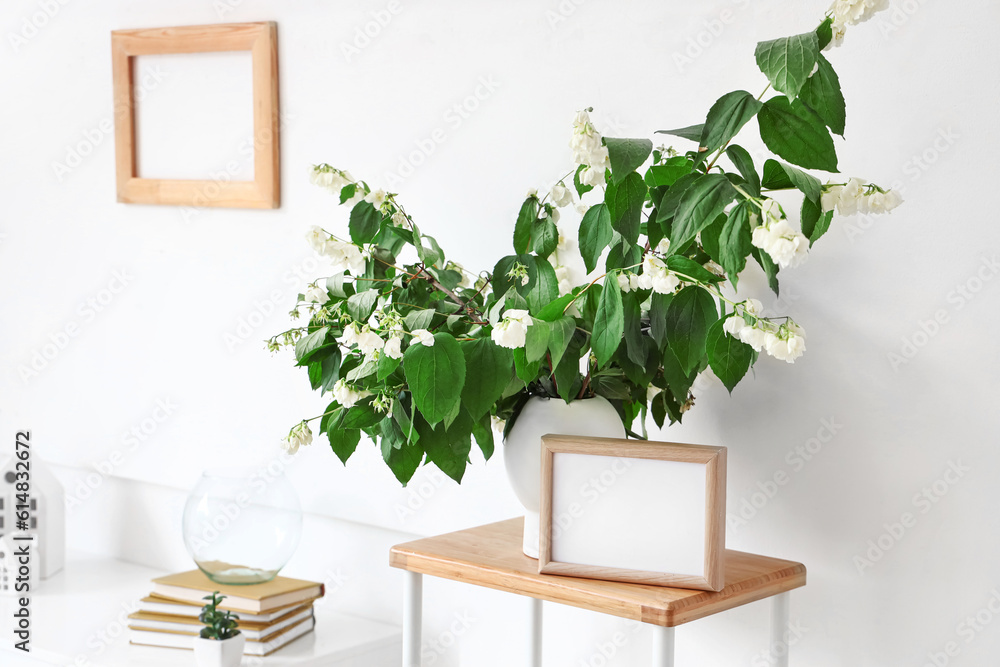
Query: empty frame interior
[224, 190]
[635, 511]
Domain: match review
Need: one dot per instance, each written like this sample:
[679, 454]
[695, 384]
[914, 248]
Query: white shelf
[79, 619]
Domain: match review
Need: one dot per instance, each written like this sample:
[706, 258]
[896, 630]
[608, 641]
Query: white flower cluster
[300, 436]
[561, 195]
[344, 256]
[327, 177]
[656, 276]
[786, 342]
[316, 294]
[512, 330]
[852, 12]
[857, 197]
[775, 236]
[424, 337]
[589, 150]
[369, 342]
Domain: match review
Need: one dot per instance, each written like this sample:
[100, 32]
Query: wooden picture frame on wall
[633, 511]
[258, 38]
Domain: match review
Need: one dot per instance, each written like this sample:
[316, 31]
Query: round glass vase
[242, 525]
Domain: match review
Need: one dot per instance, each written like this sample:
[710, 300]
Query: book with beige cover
[194, 585]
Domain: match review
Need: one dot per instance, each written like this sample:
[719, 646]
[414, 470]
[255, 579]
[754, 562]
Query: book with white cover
[253, 632]
[172, 639]
[157, 605]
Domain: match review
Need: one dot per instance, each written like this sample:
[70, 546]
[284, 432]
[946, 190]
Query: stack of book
[270, 615]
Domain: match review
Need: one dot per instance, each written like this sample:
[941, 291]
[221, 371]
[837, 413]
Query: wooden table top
[491, 556]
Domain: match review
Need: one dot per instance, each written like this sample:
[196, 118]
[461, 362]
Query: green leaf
[668, 205]
[560, 334]
[482, 430]
[364, 223]
[567, 375]
[536, 341]
[632, 318]
[609, 324]
[658, 305]
[624, 202]
[669, 172]
[448, 449]
[726, 117]
[436, 376]
[823, 95]
[361, 415]
[315, 370]
[546, 237]
[404, 460]
[691, 269]
[419, 319]
[491, 366]
[595, 234]
[626, 155]
[386, 366]
[815, 222]
[526, 370]
[337, 286]
[678, 381]
[360, 306]
[734, 242]
[525, 223]
[824, 33]
[770, 268]
[543, 286]
[344, 442]
[690, 314]
[692, 132]
[309, 344]
[797, 134]
[700, 204]
[787, 61]
[744, 164]
[554, 311]
[330, 369]
[729, 358]
[778, 176]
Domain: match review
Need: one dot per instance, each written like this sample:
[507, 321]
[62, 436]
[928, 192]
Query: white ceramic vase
[522, 451]
[215, 653]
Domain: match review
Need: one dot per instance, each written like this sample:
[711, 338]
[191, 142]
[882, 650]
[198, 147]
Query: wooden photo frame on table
[258, 38]
[633, 511]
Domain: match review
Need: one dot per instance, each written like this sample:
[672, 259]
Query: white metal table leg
[780, 616]
[412, 619]
[535, 645]
[663, 647]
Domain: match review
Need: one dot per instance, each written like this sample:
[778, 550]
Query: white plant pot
[215, 653]
[522, 451]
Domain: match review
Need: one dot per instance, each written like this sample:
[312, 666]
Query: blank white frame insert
[633, 511]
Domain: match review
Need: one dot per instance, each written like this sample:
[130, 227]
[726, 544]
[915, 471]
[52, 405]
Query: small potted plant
[220, 644]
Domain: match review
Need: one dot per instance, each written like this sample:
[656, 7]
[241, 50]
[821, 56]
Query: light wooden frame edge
[258, 38]
[714, 459]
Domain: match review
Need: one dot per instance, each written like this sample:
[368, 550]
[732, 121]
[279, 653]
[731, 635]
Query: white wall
[922, 96]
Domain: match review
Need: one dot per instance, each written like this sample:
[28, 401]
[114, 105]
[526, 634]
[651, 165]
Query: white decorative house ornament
[46, 514]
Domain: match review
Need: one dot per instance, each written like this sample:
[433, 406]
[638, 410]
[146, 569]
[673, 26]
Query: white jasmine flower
[316, 294]
[733, 325]
[369, 341]
[317, 238]
[788, 343]
[512, 330]
[882, 202]
[753, 306]
[300, 436]
[830, 197]
[582, 208]
[592, 176]
[350, 336]
[561, 195]
[392, 348]
[785, 245]
[756, 336]
[852, 12]
[345, 256]
[770, 211]
[497, 424]
[399, 219]
[586, 140]
[532, 192]
[663, 247]
[376, 198]
[563, 276]
[851, 196]
[656, 276]
[625, 282]
[424, 337]
[347, 395]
